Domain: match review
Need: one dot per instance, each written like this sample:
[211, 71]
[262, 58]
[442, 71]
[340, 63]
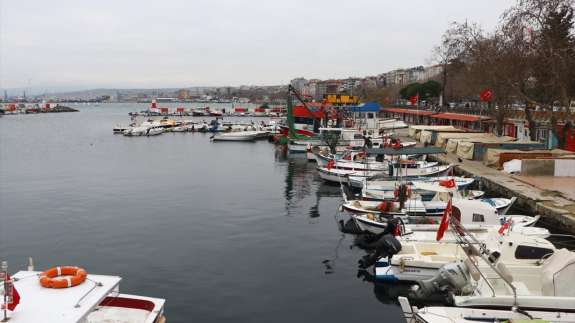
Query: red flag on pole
[486, 95]
[504, 227]
[12, 292]
[414, 99]
[444, 222]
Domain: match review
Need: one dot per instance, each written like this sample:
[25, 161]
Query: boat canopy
[406, 151]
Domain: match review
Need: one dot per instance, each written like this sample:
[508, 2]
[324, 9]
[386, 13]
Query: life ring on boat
[74, 276]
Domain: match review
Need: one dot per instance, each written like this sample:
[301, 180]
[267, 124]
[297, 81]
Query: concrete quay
[556, 210]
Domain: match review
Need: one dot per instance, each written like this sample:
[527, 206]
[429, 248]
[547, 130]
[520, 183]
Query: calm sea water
[226, 232]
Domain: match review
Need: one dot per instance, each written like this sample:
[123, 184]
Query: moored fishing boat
[118, 129]
[422, 259]
[477, 217]
[236, 136]
[414, 206]
[486, 284]
[335, 175]
[154, 131]
[444, 314]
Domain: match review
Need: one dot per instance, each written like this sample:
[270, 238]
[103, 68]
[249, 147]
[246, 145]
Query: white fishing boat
[356, 160]
[425, 191]
[424, 195]
[236, 136]
[443, 314]
[477, 217]
[154, 131]
[335, 175]
[346, 138]
[548, 285]
[387, 183]
[135, 131]
[431, 209]
[75, 297]
[422, 259]
[414, 203]
[535, 291]
[118, 129]
[180, 129]
[433, 171]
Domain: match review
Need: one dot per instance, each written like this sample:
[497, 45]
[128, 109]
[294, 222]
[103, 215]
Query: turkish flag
[504, 227]
[414, 99]
[449, 183]
[444, 221]
[486, 95]
[15, 297]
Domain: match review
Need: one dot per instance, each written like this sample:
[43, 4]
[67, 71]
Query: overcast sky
[75, 44]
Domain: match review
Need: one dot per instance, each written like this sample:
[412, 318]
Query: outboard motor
[453, 277]
[386, 246]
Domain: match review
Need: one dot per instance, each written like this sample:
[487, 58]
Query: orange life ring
[74, 276]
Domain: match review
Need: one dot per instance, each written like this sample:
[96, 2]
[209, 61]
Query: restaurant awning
[459, 117]
[409, 111]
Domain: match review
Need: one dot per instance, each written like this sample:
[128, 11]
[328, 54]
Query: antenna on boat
[30, 264]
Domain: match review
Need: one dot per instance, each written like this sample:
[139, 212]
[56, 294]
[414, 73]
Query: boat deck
[67, 305]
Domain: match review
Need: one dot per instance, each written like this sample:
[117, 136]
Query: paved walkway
[556, 209]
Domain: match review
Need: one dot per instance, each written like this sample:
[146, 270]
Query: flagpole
[4, 271]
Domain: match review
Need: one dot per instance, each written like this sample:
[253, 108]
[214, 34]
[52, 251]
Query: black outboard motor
[385, 245]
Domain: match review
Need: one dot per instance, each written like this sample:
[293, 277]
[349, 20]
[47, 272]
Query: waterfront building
[298, 84]
[183, 94]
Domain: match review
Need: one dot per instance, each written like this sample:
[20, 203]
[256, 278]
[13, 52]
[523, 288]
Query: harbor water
[226, 232]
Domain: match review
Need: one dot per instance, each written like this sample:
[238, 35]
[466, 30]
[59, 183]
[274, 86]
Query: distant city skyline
[59, 46]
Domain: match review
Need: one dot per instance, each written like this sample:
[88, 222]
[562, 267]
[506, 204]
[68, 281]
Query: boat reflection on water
[323, 190]
[298, 183]
[302, 183]
[330, 263]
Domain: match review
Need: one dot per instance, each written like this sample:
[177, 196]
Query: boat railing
[467, 238]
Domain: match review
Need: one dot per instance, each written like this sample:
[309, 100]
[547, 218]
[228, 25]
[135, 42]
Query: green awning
[406, 151]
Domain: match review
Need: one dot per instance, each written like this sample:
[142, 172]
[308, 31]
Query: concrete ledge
[555, 211]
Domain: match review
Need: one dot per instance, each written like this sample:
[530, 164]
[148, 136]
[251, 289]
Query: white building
[298, 83]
